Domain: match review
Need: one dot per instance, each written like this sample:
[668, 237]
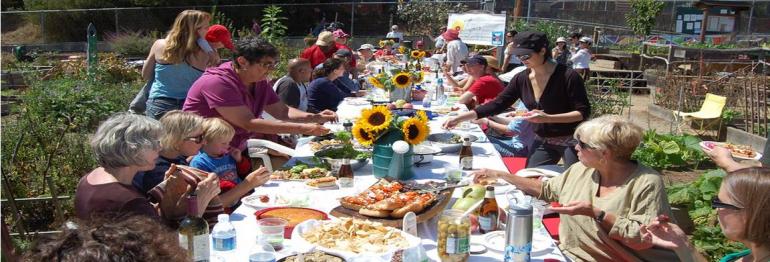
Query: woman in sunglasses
[554, 93]
[742, 209]
[605, 198]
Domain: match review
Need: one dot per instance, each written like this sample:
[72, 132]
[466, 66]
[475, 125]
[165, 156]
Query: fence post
[117, 28]
[42, 26]
[91, 48]
[352, 17]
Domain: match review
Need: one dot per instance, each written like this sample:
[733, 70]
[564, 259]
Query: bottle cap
[223, 218]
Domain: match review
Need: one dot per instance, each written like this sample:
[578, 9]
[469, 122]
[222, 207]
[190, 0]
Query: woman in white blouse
[582, 58]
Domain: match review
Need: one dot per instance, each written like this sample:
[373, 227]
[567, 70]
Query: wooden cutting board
[442, 199]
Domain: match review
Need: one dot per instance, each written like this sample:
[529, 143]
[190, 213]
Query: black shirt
[564, 93]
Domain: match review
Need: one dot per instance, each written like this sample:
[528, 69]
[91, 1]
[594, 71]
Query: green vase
[383, 153]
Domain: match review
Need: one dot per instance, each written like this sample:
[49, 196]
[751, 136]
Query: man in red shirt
[485, 87]
[323, 49]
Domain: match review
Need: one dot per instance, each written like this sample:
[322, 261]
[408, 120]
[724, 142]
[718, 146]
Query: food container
[293, 215]
[423, 154]
[454, 231]
[443, 141]
[335, 163]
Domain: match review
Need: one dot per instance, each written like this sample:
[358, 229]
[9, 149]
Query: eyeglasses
[523, 57]
[584, 145]
[716, 203]
[195, 139]
[268, 65]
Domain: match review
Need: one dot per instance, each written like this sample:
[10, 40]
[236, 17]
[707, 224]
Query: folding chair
[710, 114]
[258, 149]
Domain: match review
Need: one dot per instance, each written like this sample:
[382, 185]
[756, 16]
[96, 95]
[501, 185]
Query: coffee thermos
[518, 229]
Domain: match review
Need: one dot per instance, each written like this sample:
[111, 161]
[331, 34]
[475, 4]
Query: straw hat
[325, 38]
[492, 62]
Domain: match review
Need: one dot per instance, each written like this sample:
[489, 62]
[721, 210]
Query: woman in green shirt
[742, 208]
[606, 197]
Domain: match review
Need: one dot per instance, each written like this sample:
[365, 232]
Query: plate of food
[328, 182]
[300, 172]
[259, 201]
[293, 215]
[448, 142]
[353, 238]
[738, 151]
[387, 202]
[313, 256]
[523, 114]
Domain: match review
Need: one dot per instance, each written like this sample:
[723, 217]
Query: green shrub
[132, 44]
[661, 151]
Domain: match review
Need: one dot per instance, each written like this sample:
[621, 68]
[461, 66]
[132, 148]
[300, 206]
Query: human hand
[575, 208]
[486, 174]
[236, 154]
[208, 188]
[257, 177]
[315, 130]
[480, 121]
[661, 233]
[721, 156]
[538, 117]
[328, 116]
[360, 93]
[451, 123]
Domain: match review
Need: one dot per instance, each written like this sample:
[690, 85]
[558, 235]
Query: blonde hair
[181, 40]
[750, 188]
[611, 132]
[217, 128]
[177, 126]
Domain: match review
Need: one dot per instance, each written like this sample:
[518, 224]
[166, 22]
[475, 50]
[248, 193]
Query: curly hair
[330, 65]
[137, 238]
[181, 40]
[253, 48]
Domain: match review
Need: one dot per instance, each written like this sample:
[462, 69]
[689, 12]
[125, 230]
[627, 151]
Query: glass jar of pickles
[454, 231]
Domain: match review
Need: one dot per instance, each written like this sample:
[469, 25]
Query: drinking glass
[272, 230]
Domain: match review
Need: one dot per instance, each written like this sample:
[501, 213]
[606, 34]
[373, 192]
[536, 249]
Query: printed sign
[479, 29]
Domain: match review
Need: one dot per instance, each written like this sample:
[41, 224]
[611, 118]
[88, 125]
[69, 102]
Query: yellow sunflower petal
[422, 116]
[415, 131]
[376, 118]
[363, 136]
[415, 54]
[401, 80]
[375, 82]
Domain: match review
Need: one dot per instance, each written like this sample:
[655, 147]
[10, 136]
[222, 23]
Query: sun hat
[561, 40]
[586, 39]
[369, 47]
[492, 62]
[340, 34]
[529, 42]
[219, 33]
[325, 38]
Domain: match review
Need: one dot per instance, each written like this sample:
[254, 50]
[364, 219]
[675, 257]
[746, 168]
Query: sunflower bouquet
[395, 79]
[378, 121]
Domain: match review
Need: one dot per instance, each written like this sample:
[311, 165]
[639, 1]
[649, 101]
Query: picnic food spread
[294, 215]
[315, 256]
[328, 181]
[356, 236]
[742, 151]
[388, 199]
[300, 172]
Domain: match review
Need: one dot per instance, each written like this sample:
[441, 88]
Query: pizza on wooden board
[388, 199]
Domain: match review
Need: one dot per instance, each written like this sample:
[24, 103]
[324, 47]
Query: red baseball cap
[219, 33]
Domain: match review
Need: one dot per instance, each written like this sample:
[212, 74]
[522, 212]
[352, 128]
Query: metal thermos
[518, 233]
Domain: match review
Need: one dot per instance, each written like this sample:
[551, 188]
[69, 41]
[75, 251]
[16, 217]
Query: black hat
[477, 59]
[529, 42]
[344, 53]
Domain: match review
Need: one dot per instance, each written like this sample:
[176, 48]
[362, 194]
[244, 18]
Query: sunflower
[418, 77]
[422, 116]
[415, 54]
[376, 82]
[423, 54]
[401, 80]
[363, 136]
[376, 118]
[402, 50]
[415, 131]
[383, 43]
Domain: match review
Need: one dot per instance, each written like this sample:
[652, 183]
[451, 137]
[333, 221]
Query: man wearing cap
[323, 49]
[485, 87]
[395, 33]
[340, 41]
[582, 58]
[554, 93]
[292, 88]
[366, 53]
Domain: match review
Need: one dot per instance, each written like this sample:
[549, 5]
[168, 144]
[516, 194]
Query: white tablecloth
[485, 156]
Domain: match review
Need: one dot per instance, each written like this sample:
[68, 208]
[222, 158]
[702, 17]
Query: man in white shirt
[394, 33]
[456, 50]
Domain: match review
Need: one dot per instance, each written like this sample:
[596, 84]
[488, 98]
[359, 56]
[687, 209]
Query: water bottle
[262, 251]
[439, 88]
[427, 99]
[518, 229]
[223, 234]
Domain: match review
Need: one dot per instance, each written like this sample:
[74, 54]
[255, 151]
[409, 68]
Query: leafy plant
[607, 98]
[422, 17]
[219, 18]
[132, 44]
[642, 17]
[660, 151]
[273, 27]
[728, 115]
[696, 196]
[552, 29]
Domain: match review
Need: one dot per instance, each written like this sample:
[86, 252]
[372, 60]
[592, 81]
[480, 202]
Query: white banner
[479, 29]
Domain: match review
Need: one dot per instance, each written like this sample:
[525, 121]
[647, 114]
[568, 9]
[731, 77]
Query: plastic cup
[453, 175]
[272, 230]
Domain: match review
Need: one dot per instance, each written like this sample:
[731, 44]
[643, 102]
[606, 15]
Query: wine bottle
[488, 212]
[194, 232]
[466, 154]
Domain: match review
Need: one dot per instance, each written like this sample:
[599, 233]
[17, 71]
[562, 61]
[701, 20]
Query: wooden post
[703, 25]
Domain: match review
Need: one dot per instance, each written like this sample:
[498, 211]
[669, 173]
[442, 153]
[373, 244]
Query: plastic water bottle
[223, 234]
[262, 252]
[427, 99]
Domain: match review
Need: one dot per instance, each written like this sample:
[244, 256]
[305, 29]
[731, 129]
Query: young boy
[216, 156]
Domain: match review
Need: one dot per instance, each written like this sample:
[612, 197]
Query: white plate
[495, 240]
[254, 202]
[708, 145]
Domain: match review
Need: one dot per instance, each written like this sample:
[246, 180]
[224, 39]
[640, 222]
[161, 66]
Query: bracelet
[600, 217]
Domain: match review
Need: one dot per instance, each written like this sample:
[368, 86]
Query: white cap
[223, 218]
[586, 40]
[561, 40]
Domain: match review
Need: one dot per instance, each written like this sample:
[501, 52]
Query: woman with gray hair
[606, 197]
[123, 145]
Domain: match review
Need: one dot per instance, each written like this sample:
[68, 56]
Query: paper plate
[495, 241]
[708, 145]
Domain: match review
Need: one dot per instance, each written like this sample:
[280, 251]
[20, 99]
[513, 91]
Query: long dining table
[485, 156]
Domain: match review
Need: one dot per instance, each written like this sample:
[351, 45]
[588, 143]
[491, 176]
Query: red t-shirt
[486, 88]
[352, 59]
[316, 55]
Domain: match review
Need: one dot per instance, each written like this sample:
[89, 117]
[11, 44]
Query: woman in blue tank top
[176, 62]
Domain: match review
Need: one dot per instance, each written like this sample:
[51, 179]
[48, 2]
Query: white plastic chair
[258, 149]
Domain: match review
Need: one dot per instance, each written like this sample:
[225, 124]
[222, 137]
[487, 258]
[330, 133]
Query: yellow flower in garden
[422, 116]
[375, 82]
[401, 80]
[415, 131]
[415, 54]
[363, 136]
[383, 43]
[418, 77]
[376, 118]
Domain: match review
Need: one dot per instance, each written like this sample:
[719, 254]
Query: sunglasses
[716, 203]
[195, 139]
[523, 57]
[584, 145]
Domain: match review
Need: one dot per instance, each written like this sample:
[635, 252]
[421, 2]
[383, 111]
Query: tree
[421, 17]
[272, 23]
[641, 19]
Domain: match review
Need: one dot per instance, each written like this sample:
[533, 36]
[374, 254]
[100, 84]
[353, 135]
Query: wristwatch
[599, 218]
